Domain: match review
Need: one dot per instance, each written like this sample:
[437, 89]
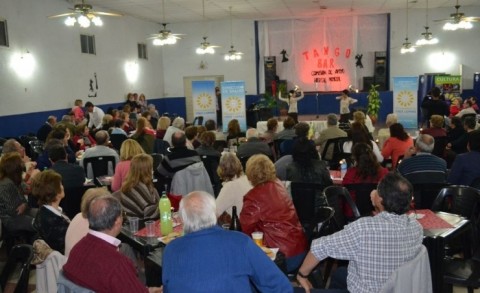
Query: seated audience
[206, 252]
[50, 222]
[101, 149]
[436, 127]
[272, 126]
[457, 136]
[420, 159]
[456, 106]
[95, 262]
[253, 145]
[191, 134]
[144, 135]
[374, 246]
[13, 146]
[72, 175]
[178, 124]
[162, 125]
[288, 132]
[138, 196]
[360, 117]
[210, 125]
[473, 100]
[66, 123]
[179, 157]
[301, 132]
[467, 109]
[384, 133]
[118, 127]
[78, 227]
[129, 149]
[465, 167]
[269, 208]
[15, 213]
[234, 132]
[207, 139]
[128, 125]
[281, 166]
[396, 145]
[45, 129]
[357, 134]
[307, 167]
[79, 115]
[107, 122]
[83, 139]
[55, 138]
[235, 184]
[331, 132]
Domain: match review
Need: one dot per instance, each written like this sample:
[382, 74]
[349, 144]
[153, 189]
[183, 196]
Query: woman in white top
[235, 184]
[345, 102]
[292, 101]
[358, 134]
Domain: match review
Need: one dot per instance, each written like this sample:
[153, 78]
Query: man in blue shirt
[210, 259]
[465, 167]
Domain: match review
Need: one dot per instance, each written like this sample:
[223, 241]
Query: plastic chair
[66, 286]
[21, 254]
[439, 147]
[100, 166]
[117, 140]
[362, 196]
[426, 186]
[336, 145]
[211, 165]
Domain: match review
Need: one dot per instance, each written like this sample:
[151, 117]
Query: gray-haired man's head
[425, 143]
[197, 211]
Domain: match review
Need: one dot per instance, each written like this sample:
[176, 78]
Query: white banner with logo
[233, 103]
[405, 100]
[203, 95]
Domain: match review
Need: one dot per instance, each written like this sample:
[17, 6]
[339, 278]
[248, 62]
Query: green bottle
[165, 208]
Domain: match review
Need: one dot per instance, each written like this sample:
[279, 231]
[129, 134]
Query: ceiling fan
[165, 37]
[206, 47]
[232, 54]
[84, 15]
[458, 20]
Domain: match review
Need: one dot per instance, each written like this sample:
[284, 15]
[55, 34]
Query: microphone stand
[316, 97]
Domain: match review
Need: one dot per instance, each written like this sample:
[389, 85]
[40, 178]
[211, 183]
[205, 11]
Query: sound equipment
[367, 83]
[381, 70]
[270, 69]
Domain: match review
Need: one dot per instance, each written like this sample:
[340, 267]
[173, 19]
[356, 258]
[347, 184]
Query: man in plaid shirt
[374, 246]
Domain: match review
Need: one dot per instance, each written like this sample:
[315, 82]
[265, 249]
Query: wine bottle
[235, 223]
[165, 208]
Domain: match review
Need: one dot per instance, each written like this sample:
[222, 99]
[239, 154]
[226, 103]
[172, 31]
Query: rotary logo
[204, 101]
[405, 98]
[233, 104]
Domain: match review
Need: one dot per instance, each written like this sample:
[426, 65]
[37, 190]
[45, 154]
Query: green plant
[374, 101]
[267, 101]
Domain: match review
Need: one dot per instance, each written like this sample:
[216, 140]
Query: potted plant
[374, 103]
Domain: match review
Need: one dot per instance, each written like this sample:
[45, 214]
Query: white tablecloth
[318, 126]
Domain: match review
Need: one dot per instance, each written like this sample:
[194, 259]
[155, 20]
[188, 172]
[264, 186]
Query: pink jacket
[121, 171]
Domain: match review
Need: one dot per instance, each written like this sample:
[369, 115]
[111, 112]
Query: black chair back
[211, 165]
[336, 145]
[426, 186]
[99, 166]
[362, 196]
[219, 145]
[73, 197]
[336, 195]
[117, 140]
[439, 147]
[22, 255]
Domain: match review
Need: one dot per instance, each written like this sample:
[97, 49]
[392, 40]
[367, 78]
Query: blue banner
[405, 100]
[233, 103]
[204, 99]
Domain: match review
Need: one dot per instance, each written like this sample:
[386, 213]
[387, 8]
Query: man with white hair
[210, 259]
[253, 145]
[178, 124]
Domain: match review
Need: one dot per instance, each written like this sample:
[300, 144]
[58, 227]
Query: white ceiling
[177, 11]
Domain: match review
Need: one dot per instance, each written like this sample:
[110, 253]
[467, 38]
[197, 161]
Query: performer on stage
[292, 102]
[345, 102]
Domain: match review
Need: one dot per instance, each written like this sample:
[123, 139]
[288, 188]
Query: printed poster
[405, 91]
[233, 103]
[204, 99]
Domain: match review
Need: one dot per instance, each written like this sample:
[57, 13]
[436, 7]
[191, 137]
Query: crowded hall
[239, 146]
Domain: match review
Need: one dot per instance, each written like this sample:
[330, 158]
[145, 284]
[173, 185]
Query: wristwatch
[302, 275]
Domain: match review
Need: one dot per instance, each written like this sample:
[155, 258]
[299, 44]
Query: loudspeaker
[270, 69]
[380, 70]
[367, 83]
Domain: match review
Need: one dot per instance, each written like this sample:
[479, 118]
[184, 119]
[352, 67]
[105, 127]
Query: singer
[292, 102]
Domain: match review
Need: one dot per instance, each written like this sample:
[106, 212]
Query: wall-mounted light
[23, 64]
[131, 71]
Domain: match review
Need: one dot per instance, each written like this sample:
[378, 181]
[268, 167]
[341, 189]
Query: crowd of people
[251, 177]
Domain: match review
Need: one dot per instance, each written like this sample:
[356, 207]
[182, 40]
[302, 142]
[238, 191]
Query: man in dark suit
[72, 175]
[253, 145]
[45, 129]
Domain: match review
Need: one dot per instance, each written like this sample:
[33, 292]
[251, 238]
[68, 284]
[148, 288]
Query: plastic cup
[133, 221]
[226, 226]
[150, 225]
[258, 238]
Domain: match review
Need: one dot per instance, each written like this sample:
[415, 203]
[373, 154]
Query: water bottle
[165, 208]
[343, 167]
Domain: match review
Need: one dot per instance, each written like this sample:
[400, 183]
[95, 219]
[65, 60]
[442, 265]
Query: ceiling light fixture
[84, 15]
[232, 55]
[458, 20]
[427, 37]
[205, 46]
[164, 36]
[407, 47]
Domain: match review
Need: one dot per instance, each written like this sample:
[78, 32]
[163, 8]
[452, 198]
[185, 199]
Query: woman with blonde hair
[268, 208]
[436, 127]
[138, 196]
[145, 135]
[129, 149]
[162, 125]
[235, 184]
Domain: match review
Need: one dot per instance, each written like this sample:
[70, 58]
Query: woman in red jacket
[268, 208]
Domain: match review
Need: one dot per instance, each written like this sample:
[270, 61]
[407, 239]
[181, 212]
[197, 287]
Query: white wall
[463, 45]
[62, 72]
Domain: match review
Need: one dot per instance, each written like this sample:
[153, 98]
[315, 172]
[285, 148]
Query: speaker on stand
[270, 69]
[381, 71]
